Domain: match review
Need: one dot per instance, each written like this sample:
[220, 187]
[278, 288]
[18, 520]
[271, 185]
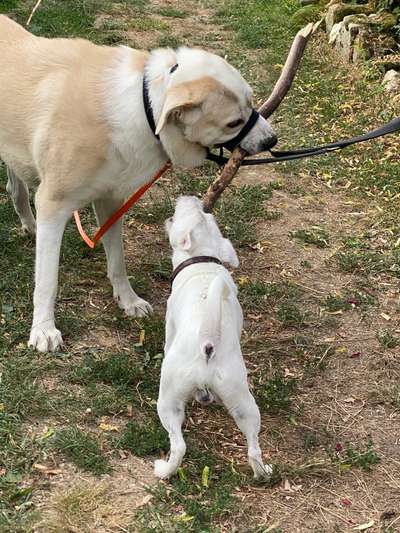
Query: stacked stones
[360, 31]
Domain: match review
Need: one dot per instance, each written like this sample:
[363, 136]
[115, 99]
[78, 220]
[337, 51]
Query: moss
[305, 15]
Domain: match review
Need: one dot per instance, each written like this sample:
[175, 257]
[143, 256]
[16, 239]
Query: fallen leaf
[255, 317]
[346, 502]
[272, 527]
[146, 499]
[46, 470]
[108, 427]
[363, 527]
[183, 518]
[205, 476]
[181, 474]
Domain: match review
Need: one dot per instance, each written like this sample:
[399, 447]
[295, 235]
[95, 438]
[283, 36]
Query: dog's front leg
[51, 221]
[126, 297]
[172, 414]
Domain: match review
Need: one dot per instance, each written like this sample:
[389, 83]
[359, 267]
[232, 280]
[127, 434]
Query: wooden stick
[280, 90]
[33, 12]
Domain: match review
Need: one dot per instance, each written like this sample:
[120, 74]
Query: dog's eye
[235, 123]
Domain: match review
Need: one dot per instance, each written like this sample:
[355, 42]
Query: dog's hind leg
[172, 414]
[126, 297]
[19, 193]
[242, 406]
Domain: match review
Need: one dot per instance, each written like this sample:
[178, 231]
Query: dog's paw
[28, 228]
[45, 339]
[135, 306]
[263, 472]
[162, 469]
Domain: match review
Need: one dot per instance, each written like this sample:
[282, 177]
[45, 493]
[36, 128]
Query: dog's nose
[270, 143]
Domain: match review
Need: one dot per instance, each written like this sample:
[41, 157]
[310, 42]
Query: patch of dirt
[84, 503]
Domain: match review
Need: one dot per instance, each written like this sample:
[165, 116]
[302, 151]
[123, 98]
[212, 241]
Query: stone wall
[363, 31]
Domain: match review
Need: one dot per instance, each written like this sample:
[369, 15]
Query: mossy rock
[384, 21]
[337, 12]
[305, 15]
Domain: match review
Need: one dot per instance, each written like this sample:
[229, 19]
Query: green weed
[315, 235]
[275, 394]
[172, 12]
[387, 339]
[351, 456]
[291, 315]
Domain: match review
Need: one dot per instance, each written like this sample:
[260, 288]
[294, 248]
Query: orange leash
[118, 214]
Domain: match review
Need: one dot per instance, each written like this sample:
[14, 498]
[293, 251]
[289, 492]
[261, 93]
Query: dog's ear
[228, 254]
[186, 241]
[185, 96]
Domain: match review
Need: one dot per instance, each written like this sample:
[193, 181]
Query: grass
[77, 507]
[349, 299]
[290, 315]
[82, 449]
[261, 296]
[195, 503]
[144, 439]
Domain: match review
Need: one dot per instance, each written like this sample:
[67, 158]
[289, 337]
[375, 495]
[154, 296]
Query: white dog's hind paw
[162, 469]
[45, 339]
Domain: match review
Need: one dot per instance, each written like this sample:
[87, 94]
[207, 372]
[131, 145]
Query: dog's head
[206, 102]
[192, 233]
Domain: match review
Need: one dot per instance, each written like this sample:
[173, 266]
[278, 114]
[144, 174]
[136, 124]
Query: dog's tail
[210, 328]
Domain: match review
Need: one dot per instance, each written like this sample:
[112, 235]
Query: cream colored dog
[72, 122]
[203, 327]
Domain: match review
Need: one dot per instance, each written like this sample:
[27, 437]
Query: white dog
[74, 121]
[203, 327]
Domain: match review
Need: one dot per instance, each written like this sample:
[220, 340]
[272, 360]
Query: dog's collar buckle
[193, 261]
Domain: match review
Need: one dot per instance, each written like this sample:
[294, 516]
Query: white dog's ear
[186, 241]
[228, 254]
[184, 96]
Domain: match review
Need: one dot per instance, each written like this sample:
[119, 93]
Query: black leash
[289, 155]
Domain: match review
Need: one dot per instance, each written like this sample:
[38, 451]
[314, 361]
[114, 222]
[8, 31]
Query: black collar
[147, 107]
[147, 104]
[193, 261]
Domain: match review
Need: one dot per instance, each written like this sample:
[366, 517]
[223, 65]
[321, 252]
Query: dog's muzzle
[232, 143]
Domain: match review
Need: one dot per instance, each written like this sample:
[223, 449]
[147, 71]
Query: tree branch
[280, 90]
